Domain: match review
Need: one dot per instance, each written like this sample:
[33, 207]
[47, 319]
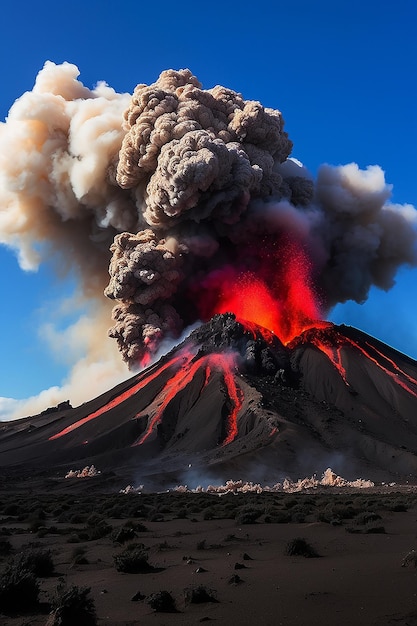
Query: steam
[171, 186]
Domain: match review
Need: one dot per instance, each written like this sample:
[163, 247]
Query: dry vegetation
[64, 558]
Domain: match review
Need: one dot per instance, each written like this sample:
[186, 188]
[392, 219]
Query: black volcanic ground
[233, 402]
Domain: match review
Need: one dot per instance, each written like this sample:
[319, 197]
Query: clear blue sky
[343, 73]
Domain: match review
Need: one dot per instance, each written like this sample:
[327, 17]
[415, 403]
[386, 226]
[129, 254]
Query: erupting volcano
[233, 400]
[180, 202]
[182, 205]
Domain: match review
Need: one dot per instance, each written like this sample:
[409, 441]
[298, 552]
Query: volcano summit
[233, 401]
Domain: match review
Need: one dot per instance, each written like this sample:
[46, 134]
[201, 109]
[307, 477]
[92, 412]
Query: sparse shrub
[162, 602]
[366, 517]
[208, 513]
[73, 606]
[277, 516]
[395, 505]
[38, 562]
[19, 589]
[374, 529]
[123, 534]
[299, 513]
[137, 526]
[335, 513]
[400, 507]
[78, 556]
[200, 594]
[290, 502]
[248, 515]
[102, 529]
[133, 560]
[300, 547]
[353, 530]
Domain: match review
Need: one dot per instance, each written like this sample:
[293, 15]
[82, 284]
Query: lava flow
[224, 363]
[332, 344]
[278, 294]
[144, 380]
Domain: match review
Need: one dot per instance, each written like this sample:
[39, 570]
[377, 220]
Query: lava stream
[334, 354]
[393, 364]
[226, 362]
[393, 376]
[122, 397]
[185, 376]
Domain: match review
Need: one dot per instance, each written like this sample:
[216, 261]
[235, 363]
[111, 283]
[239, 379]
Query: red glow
[226, 363]
[120, 398]
[392, 375]
[180, 380]
[249, 299]
[331, 348]
[393, 364]
[332, 345]
[220, 362]
[278, 294]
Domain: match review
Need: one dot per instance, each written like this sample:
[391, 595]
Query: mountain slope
[233, 401]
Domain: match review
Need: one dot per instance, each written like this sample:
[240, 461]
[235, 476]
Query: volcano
[233, 401]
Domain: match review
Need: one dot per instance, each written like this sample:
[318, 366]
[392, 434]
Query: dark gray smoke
[175, 186]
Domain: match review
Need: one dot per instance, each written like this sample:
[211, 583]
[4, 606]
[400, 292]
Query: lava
[332, 345]
[392, 375]
[144, 380]
[276, 293]
[224, 363]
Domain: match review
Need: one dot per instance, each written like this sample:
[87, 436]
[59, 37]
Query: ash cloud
[169, 186]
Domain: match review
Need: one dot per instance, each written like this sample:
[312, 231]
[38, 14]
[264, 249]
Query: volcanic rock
[233, 401]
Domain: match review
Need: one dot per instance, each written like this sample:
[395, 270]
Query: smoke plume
[174, 190]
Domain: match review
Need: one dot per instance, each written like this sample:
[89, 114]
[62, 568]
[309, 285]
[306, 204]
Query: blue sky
[344, 75]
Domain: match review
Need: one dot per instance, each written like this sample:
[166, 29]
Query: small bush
[277, 516]
[102, 529]
[374, 529]
[123, 534]
[78, 556]
[209, 513]
[38, 562]
[133, 560]
[300, 547]
[162, 602]
[19, 589]
[366, 517]
[73, 606]
[248, 515]
[198, 595]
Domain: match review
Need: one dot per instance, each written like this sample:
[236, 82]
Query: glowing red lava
[121, 397]
[333, 345]
[278, 294]
[224, 363]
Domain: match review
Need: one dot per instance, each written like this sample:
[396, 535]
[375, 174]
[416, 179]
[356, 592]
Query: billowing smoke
[175, 188]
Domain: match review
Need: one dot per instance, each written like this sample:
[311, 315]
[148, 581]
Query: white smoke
[175, 181]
